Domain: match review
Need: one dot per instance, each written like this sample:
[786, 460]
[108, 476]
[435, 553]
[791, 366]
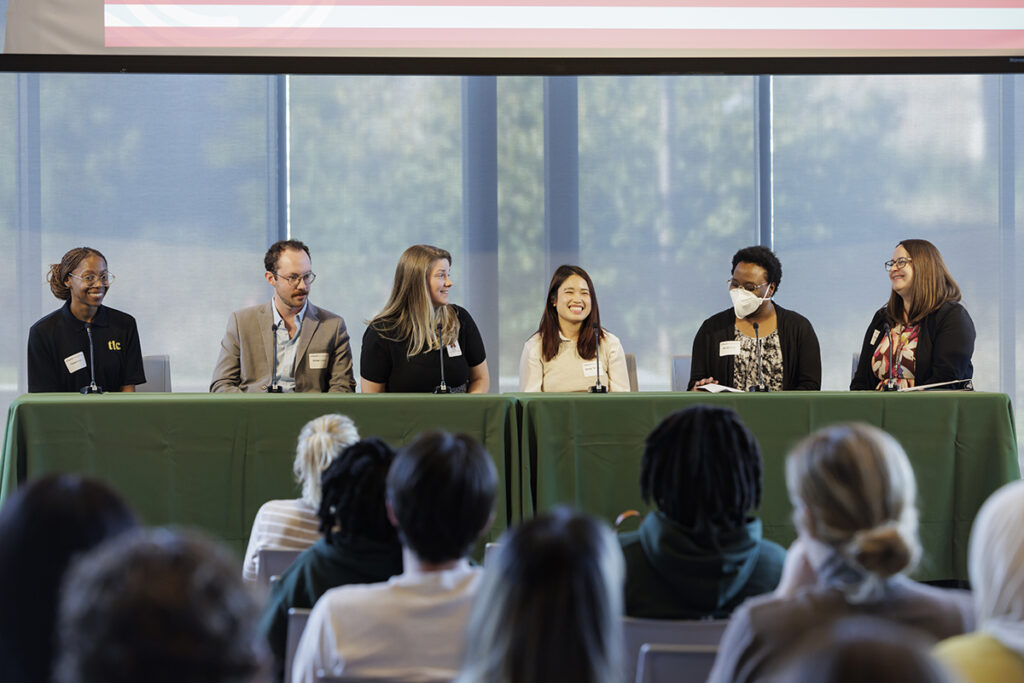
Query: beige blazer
[245, 359]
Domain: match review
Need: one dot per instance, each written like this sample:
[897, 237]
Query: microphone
[441, 388]
[91, 388]
[274, 388]
[759, 387]
[598, 388]
[890, 384]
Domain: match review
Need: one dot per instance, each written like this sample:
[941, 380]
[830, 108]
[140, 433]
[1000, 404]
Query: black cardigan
[801, 355]
[944, 348]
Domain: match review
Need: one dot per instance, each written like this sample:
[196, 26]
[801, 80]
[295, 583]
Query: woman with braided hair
[359, 544]
[699, 553]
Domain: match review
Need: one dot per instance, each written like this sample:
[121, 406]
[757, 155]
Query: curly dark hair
[353, 489]
[764, 257]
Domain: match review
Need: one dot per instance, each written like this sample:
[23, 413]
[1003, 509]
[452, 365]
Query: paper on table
[717, 389]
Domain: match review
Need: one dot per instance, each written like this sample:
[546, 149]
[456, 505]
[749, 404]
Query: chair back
[158, 373]
[271, 563]
[297, 618]
[490, 554]
[631, 371]
[680, 372]
[638, 632]
[675, 663]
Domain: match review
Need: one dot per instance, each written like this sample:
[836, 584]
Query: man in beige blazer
[312, 344]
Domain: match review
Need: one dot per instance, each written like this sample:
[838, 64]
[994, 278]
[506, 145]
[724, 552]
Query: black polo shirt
[55, 341]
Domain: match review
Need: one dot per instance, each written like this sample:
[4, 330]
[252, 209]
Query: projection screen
[517, 28]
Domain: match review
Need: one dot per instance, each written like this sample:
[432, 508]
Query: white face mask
[744, 302]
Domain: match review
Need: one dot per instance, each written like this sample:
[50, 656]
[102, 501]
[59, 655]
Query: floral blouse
[903, 340]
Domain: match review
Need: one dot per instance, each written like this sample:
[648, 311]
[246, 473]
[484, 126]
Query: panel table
[210, 460]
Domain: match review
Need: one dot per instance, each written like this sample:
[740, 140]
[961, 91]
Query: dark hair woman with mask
[725, 350]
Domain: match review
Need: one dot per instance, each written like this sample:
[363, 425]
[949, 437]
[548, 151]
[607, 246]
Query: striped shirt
[280, 525]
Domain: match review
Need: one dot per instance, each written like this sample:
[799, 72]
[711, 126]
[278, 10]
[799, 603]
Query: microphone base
[599, 389]
[442, 389]
[91, 389]
[758, 389]
[889, 387]
[275, 390]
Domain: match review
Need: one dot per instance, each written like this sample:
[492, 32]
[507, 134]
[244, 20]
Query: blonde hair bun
[883, 551]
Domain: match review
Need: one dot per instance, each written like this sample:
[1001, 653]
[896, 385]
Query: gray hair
[995, 557]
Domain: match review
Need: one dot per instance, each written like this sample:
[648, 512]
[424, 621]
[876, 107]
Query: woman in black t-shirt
[83, 344]
[402, 343]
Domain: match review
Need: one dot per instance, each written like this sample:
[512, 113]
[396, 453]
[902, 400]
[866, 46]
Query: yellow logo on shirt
[114, 345]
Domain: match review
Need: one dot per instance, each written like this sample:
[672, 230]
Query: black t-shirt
[385, 361]
[56, 340]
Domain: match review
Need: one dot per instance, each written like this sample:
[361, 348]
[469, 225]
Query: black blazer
[944, 348]
[801, 355]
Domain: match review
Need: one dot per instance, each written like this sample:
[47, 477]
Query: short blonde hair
[320, 442]
[854, 491]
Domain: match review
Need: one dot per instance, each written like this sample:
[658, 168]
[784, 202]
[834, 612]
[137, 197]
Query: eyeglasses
[293, 280]
[900, 263]
[750, 286]
[90, 278]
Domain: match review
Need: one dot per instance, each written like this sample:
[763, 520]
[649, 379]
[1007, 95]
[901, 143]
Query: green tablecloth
[586, 451]
[211, 460]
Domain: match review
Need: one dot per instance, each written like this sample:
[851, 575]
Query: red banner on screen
[592, 27]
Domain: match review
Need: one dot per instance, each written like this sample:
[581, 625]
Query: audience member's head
[441, 491]
[157, 606]
[996, 565]
[354, 493]
[550, 609]
[43, 526]
[702, 469]
[854, 491]
[320, 442]
[859, 649]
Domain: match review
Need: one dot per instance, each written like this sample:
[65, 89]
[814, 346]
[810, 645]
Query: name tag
[874, 337]
[75, 362]
[454, 350]
[590, 368]
[728, 348]
[317, 361]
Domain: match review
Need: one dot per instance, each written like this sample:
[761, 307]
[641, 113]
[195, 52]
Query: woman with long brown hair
[83, 345]
[562, 354]
[402, 344]
[924, 330]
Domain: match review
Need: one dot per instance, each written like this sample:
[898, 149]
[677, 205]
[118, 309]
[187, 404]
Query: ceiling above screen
[517, 28]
